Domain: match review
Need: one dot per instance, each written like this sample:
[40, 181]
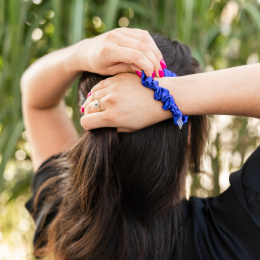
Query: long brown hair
[118, 195]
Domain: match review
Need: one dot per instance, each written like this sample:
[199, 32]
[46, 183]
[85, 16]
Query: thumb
[95, 120]
[124, 67]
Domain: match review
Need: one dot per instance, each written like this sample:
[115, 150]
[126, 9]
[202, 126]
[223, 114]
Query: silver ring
[96, 104]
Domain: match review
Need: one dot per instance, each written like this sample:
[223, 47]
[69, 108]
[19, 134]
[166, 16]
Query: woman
[115, 195]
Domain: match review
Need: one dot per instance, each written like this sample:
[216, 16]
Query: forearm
[234, 91]
[121, 50]
[44, 84]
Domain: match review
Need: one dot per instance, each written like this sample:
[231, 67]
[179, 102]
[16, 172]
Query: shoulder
[242, 195]
[49, 168]
[44, 203]
[229, 224]
[245, 185]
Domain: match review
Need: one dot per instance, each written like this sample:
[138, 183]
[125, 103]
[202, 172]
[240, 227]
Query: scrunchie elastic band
[164, 95]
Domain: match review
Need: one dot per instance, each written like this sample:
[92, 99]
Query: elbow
[23, 82]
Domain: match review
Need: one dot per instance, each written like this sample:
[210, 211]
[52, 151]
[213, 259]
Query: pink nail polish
[138, 73]
[82, 109]
[89, 94]
[163, 64]
[161, 73]
[153, 75]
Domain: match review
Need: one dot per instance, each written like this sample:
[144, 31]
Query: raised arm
[45, 83]
[128, 105]
[233, 91]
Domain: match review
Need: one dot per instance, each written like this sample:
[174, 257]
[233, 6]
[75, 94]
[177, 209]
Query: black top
[224, 227]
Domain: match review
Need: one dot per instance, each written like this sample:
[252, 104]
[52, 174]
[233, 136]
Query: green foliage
[221, 34]
[28, 31]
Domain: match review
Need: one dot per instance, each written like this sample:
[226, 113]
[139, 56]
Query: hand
[120, 50]
[124, 103]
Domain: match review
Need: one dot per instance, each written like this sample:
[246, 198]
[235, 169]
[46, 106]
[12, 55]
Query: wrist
[79, 56]
[184, 92]
[173, 84]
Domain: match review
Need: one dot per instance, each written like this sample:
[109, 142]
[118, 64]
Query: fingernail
[82, 109]
[153, 75]
[138, 73]
[89, 94]
[161, 73]
[163, 64]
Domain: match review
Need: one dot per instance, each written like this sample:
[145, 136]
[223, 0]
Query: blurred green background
[221, 34]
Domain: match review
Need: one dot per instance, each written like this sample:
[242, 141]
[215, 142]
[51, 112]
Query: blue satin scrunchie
[164, 95]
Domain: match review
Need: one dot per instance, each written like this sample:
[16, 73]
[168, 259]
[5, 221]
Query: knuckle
[113, 34]
[117, 30]
[112, 99]
[139, 30]
[146, 38]
[143, 38]
[105, 49]
[121, 76]
[103, 82]
[109, 35]
[93, 89]
[88, 109]
[146, 33]
[115, 89]
[129, 68]
[142, 47]
[97, 87]
[93, 96]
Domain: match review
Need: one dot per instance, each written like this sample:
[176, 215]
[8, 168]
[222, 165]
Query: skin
[124, 102]
[44, 84]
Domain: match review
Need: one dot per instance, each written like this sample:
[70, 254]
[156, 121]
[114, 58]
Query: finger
[96, 95]
[102, 84]
[133, 43]
[144, 36]
[94, 120]
[119, 67]
[92, 108]
[132, 56]
[124, 130]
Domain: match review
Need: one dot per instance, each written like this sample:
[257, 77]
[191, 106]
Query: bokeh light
[20, 155]
[131, 13]
[37, 34]
[97, 21]
[224, 34]
[37, 2]
[8, 175]
[123, 21]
